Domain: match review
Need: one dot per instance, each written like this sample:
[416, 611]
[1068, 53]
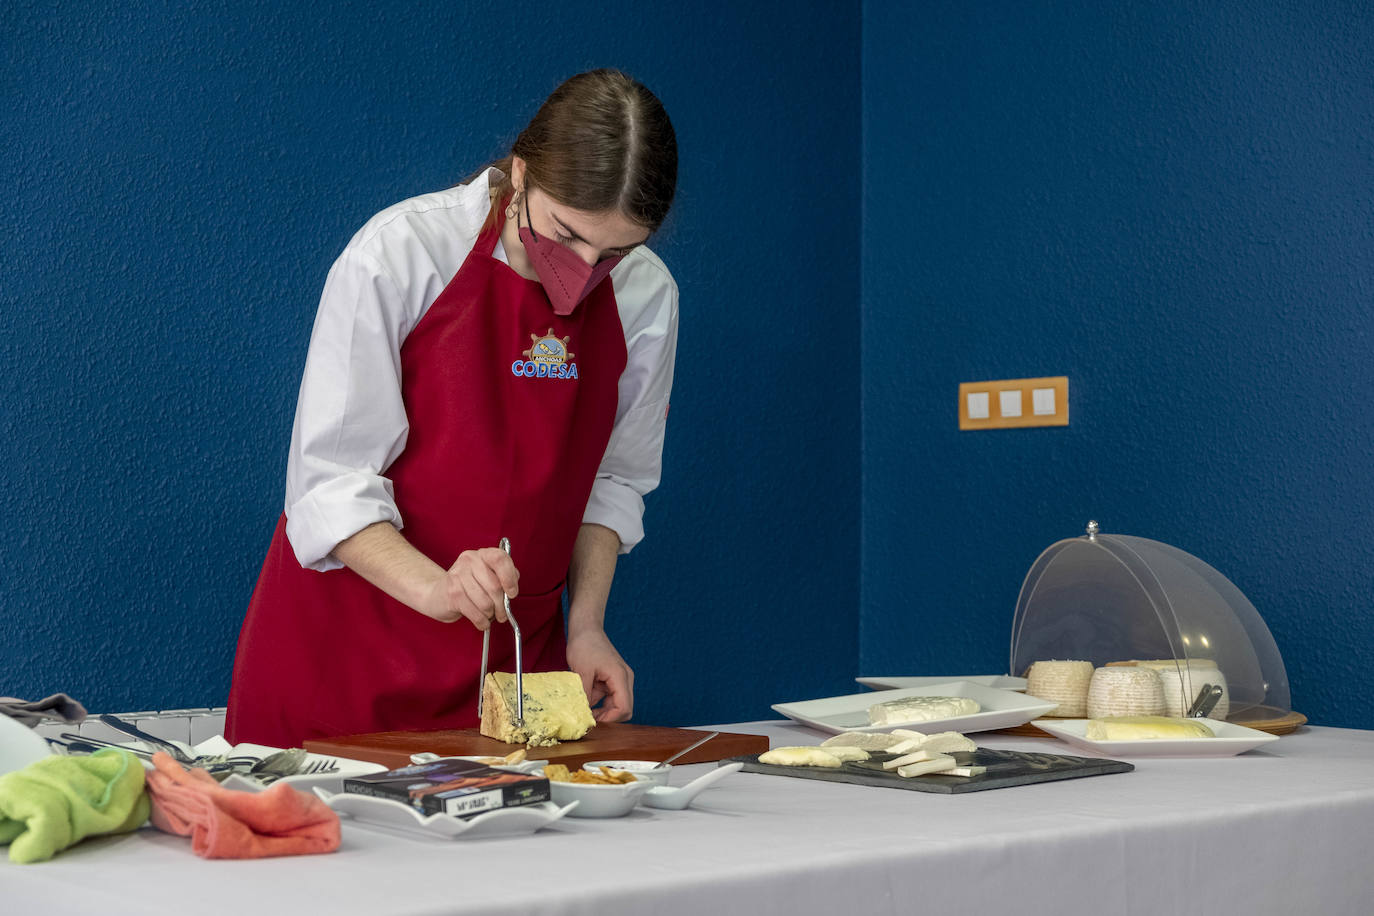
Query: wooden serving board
[611, 741]
[1262, 719]
[1005, 769]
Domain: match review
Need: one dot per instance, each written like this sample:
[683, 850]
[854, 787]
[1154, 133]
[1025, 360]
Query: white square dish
[999, 681]
[1000, 709]
[1230, 740]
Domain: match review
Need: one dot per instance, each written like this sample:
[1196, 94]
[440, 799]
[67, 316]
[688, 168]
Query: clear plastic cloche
[1112, 598]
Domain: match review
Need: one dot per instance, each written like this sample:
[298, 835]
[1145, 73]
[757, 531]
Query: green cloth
[58, 801]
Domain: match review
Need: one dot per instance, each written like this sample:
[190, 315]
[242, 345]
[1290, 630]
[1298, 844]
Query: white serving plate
[345, 768]
[999, 681]
[386, 812]
[1000, 709]
[1230, 740]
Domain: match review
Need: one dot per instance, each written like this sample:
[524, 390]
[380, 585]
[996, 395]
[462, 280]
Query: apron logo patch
[547, 357]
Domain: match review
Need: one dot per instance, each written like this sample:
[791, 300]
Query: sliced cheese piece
[869, 741]
[801, 757]
[908, 733]
[1143, 728]
[921, 709]
[845, 753]
[964, 771]
[898, 762]
[907, 758]
[947, 743]
[555, 710]
[907, 746]
[937, 764]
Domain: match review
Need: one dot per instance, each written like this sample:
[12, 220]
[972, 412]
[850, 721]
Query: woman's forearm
[589, 577]
[381, 555]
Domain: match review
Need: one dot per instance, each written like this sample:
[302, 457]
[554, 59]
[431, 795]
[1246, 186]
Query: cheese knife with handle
[519, 667]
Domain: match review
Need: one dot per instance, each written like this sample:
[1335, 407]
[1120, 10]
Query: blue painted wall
[1173, 205]
[1169, 203]
[177, 179]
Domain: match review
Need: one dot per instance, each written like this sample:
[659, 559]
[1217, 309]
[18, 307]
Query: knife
[1206, 703]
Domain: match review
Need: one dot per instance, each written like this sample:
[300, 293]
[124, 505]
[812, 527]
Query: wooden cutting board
[1004, 769]
[612, 741]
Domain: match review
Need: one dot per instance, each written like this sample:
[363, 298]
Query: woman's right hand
[475, 587]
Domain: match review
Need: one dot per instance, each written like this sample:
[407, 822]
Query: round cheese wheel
[1121, 691]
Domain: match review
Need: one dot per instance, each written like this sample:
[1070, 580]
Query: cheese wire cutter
[519, 667]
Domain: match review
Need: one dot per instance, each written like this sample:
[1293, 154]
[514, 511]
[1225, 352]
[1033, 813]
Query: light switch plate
[1014, 403]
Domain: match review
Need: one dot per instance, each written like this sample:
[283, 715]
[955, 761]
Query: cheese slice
[869, 741]
[556, 708]
[800, 757]
[845, 753]
[947, 743]
[936, 764]
[905, 759]
[1137, 728]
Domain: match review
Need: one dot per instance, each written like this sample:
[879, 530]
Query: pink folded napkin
[224, 824]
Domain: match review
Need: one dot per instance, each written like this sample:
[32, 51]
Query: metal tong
[519, 667]
[1207, 698]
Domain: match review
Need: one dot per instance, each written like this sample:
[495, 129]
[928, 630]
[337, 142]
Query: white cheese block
[800, 757]
[1062, 682]
[964, 771]
[1138, 728]
[1125, 691]
[555, 710]
[936, 764]
[921, 709]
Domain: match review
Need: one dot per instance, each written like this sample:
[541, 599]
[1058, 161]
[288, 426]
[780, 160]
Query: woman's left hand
[606, 677]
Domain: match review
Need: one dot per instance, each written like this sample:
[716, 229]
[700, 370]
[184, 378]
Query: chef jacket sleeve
[634, 456]
[350, 420]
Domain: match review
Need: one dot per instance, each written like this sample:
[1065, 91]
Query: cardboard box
[452, 786]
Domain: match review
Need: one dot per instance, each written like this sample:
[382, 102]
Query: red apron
[510, 409]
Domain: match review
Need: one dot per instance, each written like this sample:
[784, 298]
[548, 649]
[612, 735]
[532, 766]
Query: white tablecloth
[1286, 829]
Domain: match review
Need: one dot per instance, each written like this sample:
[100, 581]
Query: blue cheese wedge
[556, 708]
[921, 709]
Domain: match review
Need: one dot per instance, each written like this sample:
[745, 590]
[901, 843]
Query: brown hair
[601, 141]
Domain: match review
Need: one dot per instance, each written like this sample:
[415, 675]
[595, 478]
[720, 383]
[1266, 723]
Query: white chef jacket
[351, 422]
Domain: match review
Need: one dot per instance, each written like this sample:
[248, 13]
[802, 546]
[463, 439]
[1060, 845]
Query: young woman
[491, 361]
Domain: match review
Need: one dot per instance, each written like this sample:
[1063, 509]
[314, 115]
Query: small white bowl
[598, 800]
[644, 770]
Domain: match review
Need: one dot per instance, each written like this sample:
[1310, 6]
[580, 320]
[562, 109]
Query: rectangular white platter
[1000, 709]
[999, 681]
[1230, 740]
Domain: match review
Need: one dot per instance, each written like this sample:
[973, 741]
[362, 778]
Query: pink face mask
[566, 278]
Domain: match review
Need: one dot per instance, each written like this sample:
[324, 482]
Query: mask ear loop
[525, 199]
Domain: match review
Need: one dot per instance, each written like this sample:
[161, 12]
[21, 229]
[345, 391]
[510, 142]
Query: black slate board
[1005, 769]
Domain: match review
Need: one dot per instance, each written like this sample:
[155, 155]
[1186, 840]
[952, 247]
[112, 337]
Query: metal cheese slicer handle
[519, 666]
